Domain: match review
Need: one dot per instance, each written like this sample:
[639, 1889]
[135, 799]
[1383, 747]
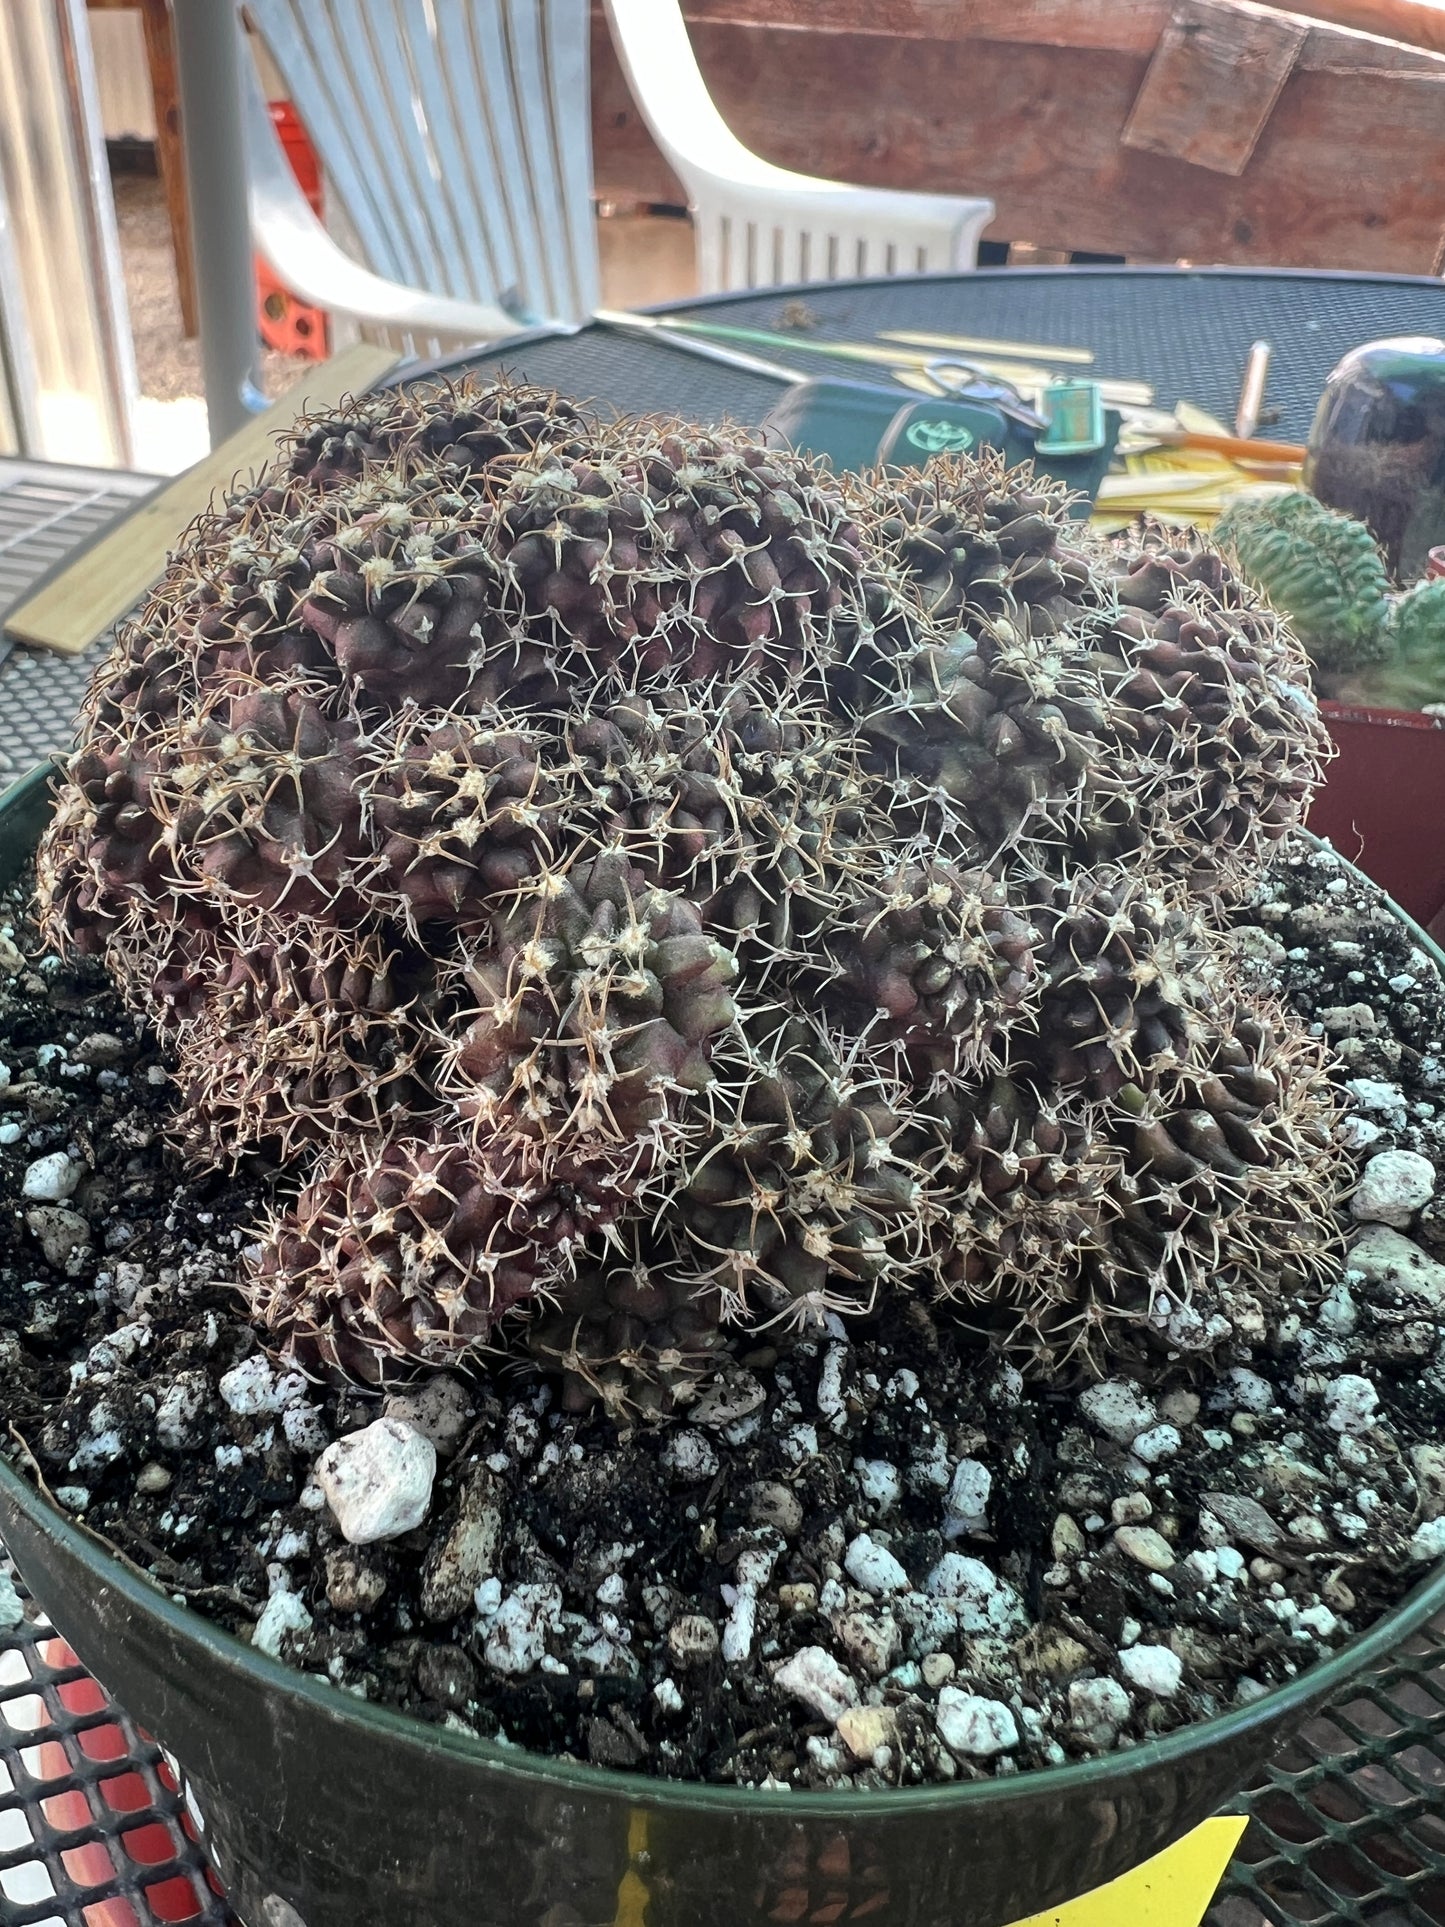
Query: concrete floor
[644, 259]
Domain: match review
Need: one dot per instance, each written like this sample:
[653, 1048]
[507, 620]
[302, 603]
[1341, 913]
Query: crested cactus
[646, 889]
[1319, 568]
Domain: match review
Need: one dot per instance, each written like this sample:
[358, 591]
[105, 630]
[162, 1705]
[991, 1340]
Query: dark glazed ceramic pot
[325, 1811]
[1377, 447]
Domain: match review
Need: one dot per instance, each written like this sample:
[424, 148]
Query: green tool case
[863, 425]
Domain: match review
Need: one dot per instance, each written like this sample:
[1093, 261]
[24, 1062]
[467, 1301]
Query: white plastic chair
[756, 224]
[455, 139]
[455, 136]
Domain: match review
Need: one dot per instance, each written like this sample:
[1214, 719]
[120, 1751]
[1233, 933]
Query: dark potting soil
[878, 1560]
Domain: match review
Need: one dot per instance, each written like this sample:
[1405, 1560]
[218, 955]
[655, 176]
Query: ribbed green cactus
[1321, 570]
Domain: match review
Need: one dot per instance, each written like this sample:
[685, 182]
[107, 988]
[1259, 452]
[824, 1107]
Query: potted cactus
[687, 1190]
[1379, 659]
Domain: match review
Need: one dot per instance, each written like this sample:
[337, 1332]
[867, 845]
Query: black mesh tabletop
[1348, 1826]
[1186, 332]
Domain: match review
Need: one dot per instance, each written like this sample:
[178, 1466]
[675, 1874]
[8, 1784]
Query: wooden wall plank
[1212, 85]
[1348, 173]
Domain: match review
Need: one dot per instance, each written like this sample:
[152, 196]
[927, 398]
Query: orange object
[1242, 448]
[286, 324]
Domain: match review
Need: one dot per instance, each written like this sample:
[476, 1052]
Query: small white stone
[1098, 1702]
[1153, 1669]
[873, 1567]
[1179, 1407]
[1145, 1547]
[976, 1727]
[1318, 1620]
[378, 1481]
[668, 1695]
[742, 1624]
[936, 1668]
[1393, 1187]
[1385, 1100]
[689, 1457]
[518, 1637]
[181, 1405]
[284, 1612]
[10, 1133]
[815, 1678]
[1245, 1391]
[1358, 1133]
[982, 1601]
[1388, 1259]
[966, 1507]
[1350, 1403]
[51, 1178]
[305, 1429]
[255, 1387]
[1158, 1443]
[831, 1403]
[879, 1483]
[1118, 1409]
[1428, 1541]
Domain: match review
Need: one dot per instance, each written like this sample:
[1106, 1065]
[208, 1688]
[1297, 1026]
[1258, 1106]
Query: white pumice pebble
[974, 1726]
[1392, 1188]
[378, 1481]
[1153, 1669]
[52, 1178]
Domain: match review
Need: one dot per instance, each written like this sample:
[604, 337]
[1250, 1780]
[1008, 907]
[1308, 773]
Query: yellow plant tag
[1171, 1890]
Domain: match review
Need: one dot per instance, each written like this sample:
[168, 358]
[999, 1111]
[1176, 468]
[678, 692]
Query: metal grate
[1348, 1826]
[47, 512]
[95, 1827]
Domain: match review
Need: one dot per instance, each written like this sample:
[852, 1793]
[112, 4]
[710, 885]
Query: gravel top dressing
[876, 1560]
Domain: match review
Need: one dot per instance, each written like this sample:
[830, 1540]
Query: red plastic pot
[1383, 803]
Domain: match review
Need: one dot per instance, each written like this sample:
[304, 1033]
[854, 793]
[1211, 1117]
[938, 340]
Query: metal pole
[208, 56]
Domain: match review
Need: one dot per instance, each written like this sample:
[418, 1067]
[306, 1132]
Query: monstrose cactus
[644, 887]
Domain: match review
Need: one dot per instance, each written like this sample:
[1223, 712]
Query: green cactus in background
[1320, 569]
[1414, 673]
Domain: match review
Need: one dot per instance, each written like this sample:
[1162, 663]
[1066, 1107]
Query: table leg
[208, 56]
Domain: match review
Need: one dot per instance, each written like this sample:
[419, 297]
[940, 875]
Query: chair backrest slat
[456, 134]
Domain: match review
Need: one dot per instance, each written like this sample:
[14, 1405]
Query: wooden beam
[95, 588]
[1026, 101]
[1410, 23]
[170, 155]
[1212, 85]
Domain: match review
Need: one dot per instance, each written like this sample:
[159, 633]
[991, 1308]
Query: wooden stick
[965, 344]
[102, 582]
[1412, 22]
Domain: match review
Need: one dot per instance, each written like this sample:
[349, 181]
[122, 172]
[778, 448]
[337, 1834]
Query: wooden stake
[103, 582]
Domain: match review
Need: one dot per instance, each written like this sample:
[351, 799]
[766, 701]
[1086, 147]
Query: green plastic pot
[324, 1811]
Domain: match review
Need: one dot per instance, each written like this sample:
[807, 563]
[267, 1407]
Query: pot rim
[1308, 1688]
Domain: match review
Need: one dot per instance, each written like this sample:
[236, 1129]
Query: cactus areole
[649, 890]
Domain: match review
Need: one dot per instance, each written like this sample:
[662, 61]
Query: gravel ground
[878, 1560]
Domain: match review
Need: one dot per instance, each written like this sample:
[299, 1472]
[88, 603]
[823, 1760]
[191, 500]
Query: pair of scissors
[963, 381]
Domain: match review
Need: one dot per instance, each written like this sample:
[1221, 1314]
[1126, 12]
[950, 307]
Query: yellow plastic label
[1171, 1890]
